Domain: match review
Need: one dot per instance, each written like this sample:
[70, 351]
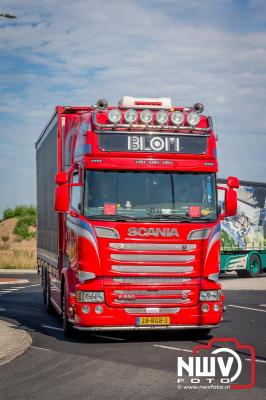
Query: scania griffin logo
[156, 232]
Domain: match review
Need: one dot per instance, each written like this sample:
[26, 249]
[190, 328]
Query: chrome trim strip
[152, 310]
[139, 328]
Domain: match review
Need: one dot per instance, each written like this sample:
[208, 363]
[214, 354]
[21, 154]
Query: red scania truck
[128, 222]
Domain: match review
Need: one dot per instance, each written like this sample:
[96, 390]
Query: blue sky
[77, 52]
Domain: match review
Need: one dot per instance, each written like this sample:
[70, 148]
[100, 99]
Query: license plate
[140, 321]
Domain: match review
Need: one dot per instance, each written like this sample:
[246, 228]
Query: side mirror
[233, 182]
[61, 178]
[230, 202]
[62, 198]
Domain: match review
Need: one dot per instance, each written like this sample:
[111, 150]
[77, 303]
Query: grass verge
[17, 259]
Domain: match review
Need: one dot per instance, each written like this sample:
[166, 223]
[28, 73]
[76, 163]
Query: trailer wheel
[67, 326]
[47, 294]
[254, 266]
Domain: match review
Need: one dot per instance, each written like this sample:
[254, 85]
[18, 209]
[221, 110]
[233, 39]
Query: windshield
[149, 195]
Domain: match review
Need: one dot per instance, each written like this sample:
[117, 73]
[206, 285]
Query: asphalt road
[118, 365]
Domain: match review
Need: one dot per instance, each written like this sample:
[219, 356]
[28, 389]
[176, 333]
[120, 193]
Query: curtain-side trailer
[244, 236]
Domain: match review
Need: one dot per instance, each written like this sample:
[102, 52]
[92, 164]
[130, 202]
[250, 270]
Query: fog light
[216, 307]
[146, 116]
[162, 117]
[193, 118]
[131, 116]
[85, 309]
[114, 116]
[177, 118]
[204, 308]
[98, 309]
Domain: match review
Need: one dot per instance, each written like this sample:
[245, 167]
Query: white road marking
[20, 287]
[262, 305]
[246, 308]
[5, 292]
[2, 309]
[172, 348]
[15, 282]
[52, 327]
[107, 337]
[36, 284]
[40, 348]
[258, 361]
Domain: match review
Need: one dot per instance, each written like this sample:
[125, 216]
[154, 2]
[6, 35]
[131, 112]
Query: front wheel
[67, 325]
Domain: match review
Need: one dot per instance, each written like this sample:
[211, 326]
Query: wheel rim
[254, 266]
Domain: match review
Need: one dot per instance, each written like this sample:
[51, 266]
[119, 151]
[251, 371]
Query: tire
[67, 326]
[242, 273]
[47, 294]
[254, 266]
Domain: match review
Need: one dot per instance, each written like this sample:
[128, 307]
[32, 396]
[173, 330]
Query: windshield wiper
[116, 217]
[180, 218]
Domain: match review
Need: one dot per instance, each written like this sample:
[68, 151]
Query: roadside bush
[5, 238]
[22, 227]
[19, 211]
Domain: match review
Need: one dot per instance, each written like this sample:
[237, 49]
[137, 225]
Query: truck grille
[152, 301]
[152, 257]
[152, 292]
[152, 246]
[150, 280]
[151, 268]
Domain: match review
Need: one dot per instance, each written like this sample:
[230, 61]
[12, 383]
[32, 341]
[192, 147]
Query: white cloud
[77, 52]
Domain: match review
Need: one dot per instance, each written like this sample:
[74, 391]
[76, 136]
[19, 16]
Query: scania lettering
[128, 218]
[164, 232]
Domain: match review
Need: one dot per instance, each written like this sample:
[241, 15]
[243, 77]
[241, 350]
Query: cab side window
[75, 194]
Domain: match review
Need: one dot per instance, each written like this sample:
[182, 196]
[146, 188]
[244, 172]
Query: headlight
[199, 234]
[89, 297]
[162, 117]
[114, 116]
[193, 118]
[131, 116]
[109, 233]
[177, 118]
[146, 116]
[210, 295]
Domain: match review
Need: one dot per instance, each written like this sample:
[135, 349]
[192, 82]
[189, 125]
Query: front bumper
[119, 318]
